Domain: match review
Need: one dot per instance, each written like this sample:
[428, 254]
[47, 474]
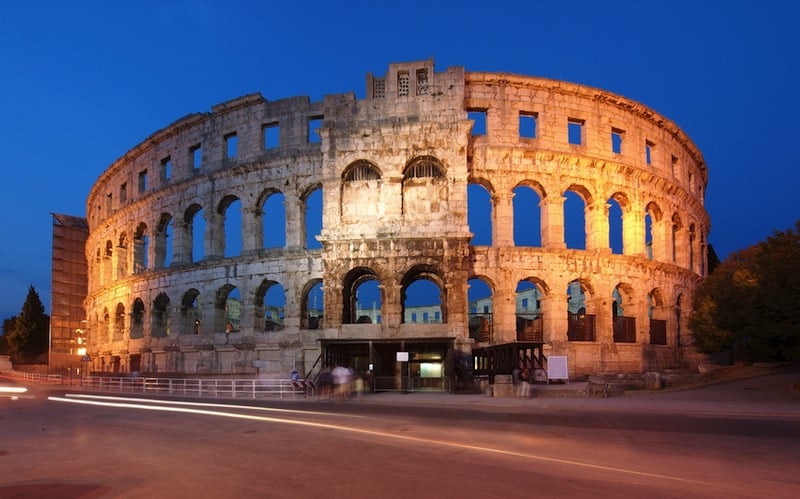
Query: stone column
[552, 208]
[295, 222]
[503, 223]
[504, 310]
[215, 234]
[633, 237]
[555, 320]
[597, 227]
[182, 243]
[252, 231]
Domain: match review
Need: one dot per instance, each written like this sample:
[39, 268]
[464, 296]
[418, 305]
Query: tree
[28, 339]
[748, 305]
[8, 326]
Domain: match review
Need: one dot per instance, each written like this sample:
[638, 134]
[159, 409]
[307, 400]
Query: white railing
[45, 379]
[197, 387]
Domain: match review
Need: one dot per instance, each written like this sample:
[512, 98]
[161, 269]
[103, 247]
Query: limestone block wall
[394, 171]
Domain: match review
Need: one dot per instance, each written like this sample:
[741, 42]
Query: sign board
[402, 356]
[557, 368]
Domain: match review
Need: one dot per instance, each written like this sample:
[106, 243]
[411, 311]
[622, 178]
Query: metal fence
[255, 388]
[198, 387]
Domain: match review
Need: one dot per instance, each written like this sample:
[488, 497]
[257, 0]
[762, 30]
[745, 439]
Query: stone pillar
[599, 305]
[503, 224]
[182, 243]
[139, 249]
[215, 234]
[295, 222]
[252, 230]
[661, 249]
[552, 208]
[332, 290]
[555, 321]
[633, 236]
[504, 310]
[392, 305]
[597, 227]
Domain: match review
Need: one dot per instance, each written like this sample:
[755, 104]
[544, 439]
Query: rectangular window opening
[422, 81]
[272, 135]
[674, 166]
[527, 125]
[123, 192]
[142, 181]
[231, 145]
[166, 168]
[575, 131]
[378, 88]
[314, 124]
[196, 153]
[616, 140]
[402, 83]
[648, 152]
[478, 117]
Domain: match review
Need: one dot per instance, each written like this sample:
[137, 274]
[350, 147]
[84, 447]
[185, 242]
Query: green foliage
[748, 305]
[28, 338]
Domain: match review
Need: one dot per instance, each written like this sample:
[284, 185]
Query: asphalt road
[733, 440]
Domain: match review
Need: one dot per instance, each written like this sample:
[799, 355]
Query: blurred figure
[341, 382]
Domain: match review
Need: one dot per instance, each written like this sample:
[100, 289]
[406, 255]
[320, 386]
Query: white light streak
[160, 405]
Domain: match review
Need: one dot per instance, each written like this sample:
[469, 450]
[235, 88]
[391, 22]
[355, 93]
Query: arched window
[361, 297]
[652, 215]
[230, 210]
[615, 228]
[574, 220]
[161, 319]
[581, 326]
[273, 220]
[676, 228]
[479, 299]
[228, 307]
[163, 243]
[425, 189]
[191, 312]
[424, 167]
[272, 299]
[624, 327]
[119, 322]
[312, 204]
[195, 232]
[122, 256]
[423, 296]
[360, 171]
[312, 306]
[141, 243]
[527, 217]
[528, 299]
[479, 214]
[137, 319]
[656, 314]
[361, 193]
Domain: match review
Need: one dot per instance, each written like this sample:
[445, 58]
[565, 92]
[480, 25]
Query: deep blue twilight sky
[82, 82]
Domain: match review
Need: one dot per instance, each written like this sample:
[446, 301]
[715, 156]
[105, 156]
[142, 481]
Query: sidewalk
[761, 397]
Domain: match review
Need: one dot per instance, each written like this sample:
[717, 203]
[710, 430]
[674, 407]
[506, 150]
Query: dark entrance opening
[428, 365]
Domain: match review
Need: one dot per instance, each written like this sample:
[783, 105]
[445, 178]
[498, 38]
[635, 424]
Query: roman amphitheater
[452, 215]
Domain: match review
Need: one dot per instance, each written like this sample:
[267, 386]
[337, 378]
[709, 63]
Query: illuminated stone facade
[394, 172]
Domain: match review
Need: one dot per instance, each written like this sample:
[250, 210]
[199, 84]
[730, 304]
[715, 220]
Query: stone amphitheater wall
[398, 227]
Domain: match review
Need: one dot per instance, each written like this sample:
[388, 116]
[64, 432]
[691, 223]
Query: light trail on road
[189, 408]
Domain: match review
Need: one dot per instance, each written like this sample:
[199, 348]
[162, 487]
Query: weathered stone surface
[394, 171]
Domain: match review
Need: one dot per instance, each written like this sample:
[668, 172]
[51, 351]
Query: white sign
[557, 368]
[402, 356]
